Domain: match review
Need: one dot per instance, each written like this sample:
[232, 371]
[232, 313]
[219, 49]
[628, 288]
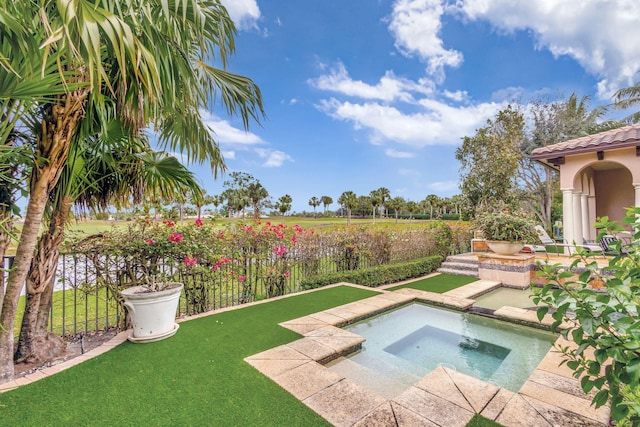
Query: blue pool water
[405, 344]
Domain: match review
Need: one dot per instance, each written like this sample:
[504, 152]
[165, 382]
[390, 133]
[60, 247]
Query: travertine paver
[440, 384]
[282, 352]
[473, 289]
[272, 368]
[556, 416]
[524, 315]
[478, 393]
[330, 319]
[306, 380]
[497, 404]
[561, 383]
[313, 349]
[408, 418]
[344, 403]
[518, 412]
[331, 331]
[434, 408]
[382, 416]
[569, 402]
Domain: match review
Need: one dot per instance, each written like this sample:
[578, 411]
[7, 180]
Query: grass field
[438, 284]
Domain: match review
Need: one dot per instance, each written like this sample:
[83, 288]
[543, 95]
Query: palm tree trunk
[35, 344]
[5, 239]
[17, 276]
[58, 129]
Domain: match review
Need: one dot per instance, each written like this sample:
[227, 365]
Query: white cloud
[274, 158]
[600, 35]
[443, 187]
[416, 25]
[409, 172]
[244, 13]
[224, 133]
[398, 154]
[436, 124]
[229, 155]
[389, 88]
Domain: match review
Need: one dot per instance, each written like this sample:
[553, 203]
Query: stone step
[470, 259]
[471, 273]
[459, 266]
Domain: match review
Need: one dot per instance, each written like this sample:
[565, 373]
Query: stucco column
[586, 223]
[577, 218]
[567, 213]
[637, 188]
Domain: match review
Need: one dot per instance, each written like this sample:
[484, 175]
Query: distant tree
[384, 194]
[397, 204]
[217, 200]
[553, 122]
[314, 202]
[412, 207]
[348, 200]
[326, 201]
[432, 201]
[376, 199]
[489, 161]
[257, 194]
[283, 205]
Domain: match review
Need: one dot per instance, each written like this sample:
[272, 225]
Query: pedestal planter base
[153, 314]
[158, 337]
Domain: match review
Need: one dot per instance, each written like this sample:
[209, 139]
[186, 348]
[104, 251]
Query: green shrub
[601, 310]
[378, 275]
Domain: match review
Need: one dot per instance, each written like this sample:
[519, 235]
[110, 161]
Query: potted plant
[505, 232]
[152, 309]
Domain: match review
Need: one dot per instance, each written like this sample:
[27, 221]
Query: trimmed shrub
[378, 275]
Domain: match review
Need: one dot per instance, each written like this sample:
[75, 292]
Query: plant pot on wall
[152, 313]
[505, 248]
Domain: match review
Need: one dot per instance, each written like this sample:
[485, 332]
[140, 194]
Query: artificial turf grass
[198, 377]
[439, 283]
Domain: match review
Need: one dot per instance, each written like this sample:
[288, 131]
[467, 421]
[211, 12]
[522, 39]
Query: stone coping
[551, 396]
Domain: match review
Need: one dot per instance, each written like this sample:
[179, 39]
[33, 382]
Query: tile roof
[627, 136]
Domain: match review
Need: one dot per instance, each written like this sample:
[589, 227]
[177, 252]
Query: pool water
[405, 344]
[505, 296]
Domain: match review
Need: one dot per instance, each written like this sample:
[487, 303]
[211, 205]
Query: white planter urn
[153, 314]
[505, 248]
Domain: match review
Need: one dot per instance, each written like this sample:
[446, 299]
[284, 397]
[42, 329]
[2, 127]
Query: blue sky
[363, 94]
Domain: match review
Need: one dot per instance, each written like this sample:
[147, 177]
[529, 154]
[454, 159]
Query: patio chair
[548, 241]
[609, 248]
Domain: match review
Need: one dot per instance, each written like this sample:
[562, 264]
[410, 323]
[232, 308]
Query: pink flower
[150, 241]
[168, 223]
[287, 274]
[294, 239]
[189, 260]
[198, 223]
[175, 237]
[279, 250]
[242, 278]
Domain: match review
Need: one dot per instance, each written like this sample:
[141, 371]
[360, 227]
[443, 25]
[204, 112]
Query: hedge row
[376, 276]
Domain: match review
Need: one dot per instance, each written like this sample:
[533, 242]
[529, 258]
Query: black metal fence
[86, 292]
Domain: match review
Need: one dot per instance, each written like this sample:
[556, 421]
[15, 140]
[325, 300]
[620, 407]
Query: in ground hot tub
[405, 344]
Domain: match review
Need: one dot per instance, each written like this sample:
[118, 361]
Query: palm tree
[375, 199]
[384, 194]
[326, 201]
[283, 205]
[627, 98]
[257, 193]
[397, 204]
[314, 202]
[349, 201]
[433, 201]
[151, 59]
[98, 172]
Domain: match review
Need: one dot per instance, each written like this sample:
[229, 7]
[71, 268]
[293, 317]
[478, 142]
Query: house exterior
[599, 176]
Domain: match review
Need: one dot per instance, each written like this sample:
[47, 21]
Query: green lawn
[197, 377]
[438, 284]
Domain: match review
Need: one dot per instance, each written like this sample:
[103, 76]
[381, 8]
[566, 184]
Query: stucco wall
[614, 193]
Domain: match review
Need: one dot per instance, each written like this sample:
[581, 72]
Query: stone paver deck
[550, 397]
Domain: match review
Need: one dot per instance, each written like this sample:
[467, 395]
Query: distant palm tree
[349, 201]
[375, 198]
[326, 201]
[627, 98]
[314, 202]
[384, 194]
